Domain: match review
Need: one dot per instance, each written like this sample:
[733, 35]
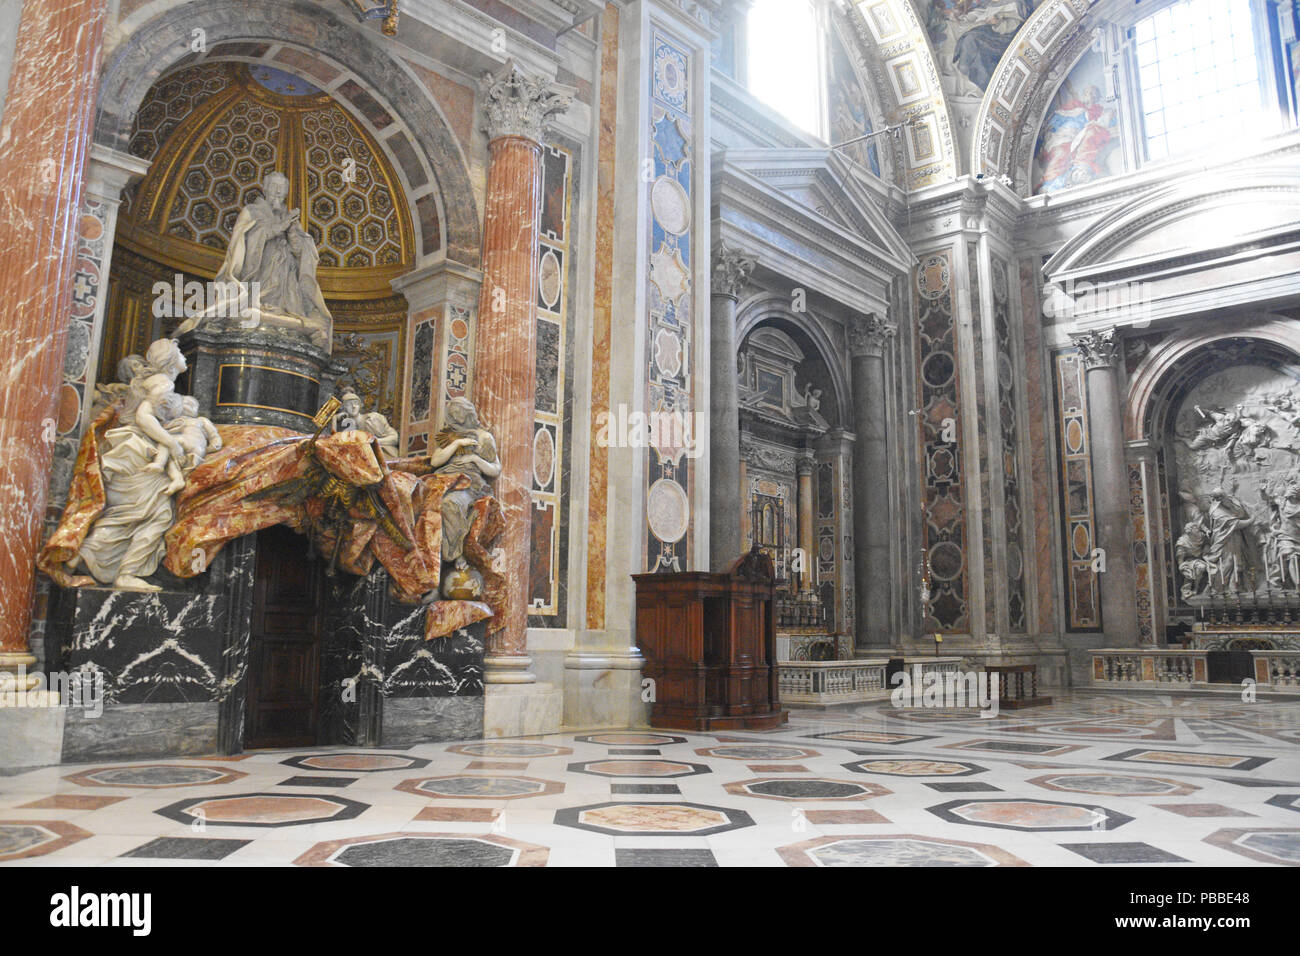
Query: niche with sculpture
[1234, 447]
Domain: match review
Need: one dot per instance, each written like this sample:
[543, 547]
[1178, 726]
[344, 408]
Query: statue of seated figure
[268, 277]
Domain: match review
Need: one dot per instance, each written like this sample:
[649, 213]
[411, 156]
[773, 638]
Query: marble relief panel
[1235, 443]
[669, 374]
[1008, 420]
[1082, 594]
[944, 525]
[547, 588]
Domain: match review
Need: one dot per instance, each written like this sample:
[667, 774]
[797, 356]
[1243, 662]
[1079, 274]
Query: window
[785, 61]
[1202, 77]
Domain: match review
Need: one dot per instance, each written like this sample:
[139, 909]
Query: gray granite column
[1101, 356]
[869, 336]
[726, 544]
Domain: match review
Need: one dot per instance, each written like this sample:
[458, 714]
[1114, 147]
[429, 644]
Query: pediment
[819, 184]
[1203, 219]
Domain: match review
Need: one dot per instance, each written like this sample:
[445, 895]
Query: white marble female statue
[270, 267]
[463, 447]
[126, 543]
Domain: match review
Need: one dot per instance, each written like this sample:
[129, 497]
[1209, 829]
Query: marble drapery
[356, 509]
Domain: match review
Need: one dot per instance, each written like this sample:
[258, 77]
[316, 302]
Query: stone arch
[755, 310]
[163, 43]
[894, 53]
[1151, 379]
[1023, 85]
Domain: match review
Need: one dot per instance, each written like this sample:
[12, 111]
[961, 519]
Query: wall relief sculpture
[1236, 446]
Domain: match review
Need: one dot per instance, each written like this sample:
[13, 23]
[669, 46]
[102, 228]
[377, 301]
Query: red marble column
[517, 107]
[48, 117]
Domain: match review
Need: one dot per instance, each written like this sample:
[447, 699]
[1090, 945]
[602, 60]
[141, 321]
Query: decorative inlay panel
[943, 498]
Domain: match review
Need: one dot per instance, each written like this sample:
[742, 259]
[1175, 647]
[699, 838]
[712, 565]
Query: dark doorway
[284, 651]
[1229, 667]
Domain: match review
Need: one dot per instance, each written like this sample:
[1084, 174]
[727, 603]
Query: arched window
[784, 54]
[1205, 71]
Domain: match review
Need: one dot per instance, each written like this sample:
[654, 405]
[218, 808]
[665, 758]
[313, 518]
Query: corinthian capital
[731, 268]
[1100, 348]
[516, 104]
[869, 335]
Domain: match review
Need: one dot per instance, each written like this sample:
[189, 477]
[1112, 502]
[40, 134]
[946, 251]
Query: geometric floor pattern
[1095, 779]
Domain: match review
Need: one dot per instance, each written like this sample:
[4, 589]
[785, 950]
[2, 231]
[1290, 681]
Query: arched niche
[1221, 413]
[211, 132]
[385, 87]
[811, 336]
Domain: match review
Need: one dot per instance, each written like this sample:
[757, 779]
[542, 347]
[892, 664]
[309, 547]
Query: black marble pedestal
[175, 665]
[383, 684]
[172, 661]
[257, 376]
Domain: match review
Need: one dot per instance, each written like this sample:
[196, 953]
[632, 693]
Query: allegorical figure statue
[351, 417]
[270, 269]
[463, 447]
[158, 439]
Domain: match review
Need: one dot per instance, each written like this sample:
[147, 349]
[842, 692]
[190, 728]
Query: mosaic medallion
[1108, 784]
[425, 849]
[805, 788]
[639, 768]
[671, 205]
[480, 787]
[154, 776]
[899, 849]
[1270, 845]
[22, 839]
[1031, 815]
[915, 768]
[653, 819]
[668, 510]
[549, 279]
[757, 752]
[630, 739]
[356, 763]
[488, 748]
[264, 809]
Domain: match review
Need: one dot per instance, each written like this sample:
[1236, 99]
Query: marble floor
[1097, 778]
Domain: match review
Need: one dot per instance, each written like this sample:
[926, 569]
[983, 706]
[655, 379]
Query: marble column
[869, 336]
[726, 542]
[49, 114]
[517, 108]
[807, 532]
[1101, 354]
